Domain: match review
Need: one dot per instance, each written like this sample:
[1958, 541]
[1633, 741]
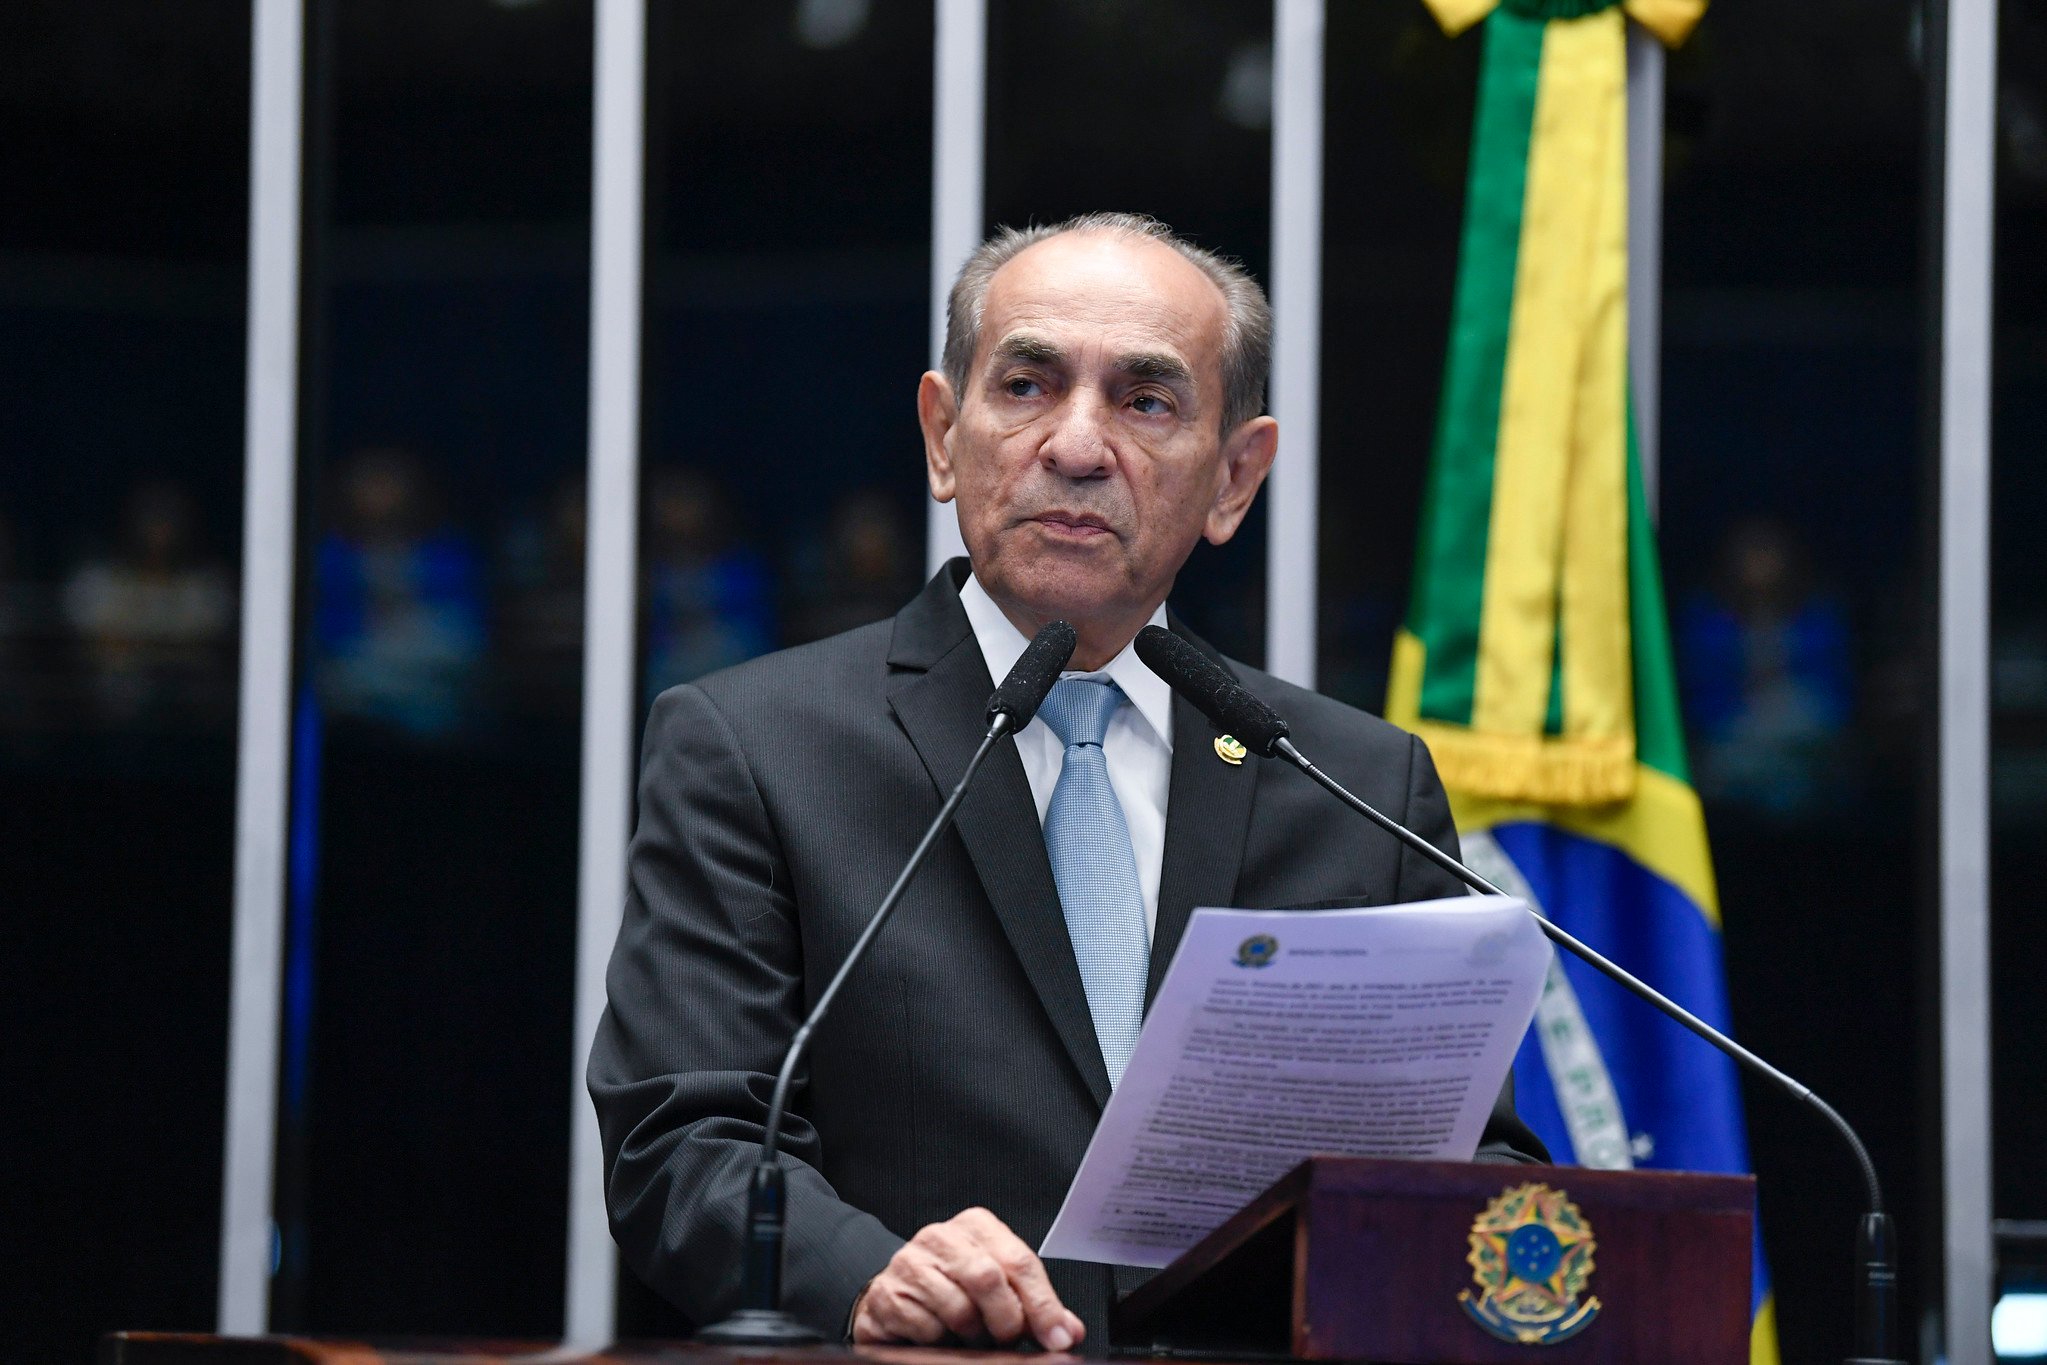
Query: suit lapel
[938, 688]
[1208, 814]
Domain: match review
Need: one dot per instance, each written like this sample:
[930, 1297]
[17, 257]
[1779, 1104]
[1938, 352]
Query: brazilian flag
[1535, 659]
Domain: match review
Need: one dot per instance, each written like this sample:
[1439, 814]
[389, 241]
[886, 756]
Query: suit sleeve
[705, 990]
[1506, 1137]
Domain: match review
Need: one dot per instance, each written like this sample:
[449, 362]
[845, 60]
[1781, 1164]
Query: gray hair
[1247, 336]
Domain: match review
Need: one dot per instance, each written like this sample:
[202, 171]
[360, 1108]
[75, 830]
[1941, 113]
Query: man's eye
[1150, 404]
[1021, 387]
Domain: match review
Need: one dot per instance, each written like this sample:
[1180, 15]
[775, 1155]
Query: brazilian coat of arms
[1531, 1255]
[1257, 951]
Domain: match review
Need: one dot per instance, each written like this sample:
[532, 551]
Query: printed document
[1278, 1035]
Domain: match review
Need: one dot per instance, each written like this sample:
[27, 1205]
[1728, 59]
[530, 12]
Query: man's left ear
[1247, 459]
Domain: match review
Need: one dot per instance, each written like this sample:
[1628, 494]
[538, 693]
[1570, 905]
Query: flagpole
[1646, 59]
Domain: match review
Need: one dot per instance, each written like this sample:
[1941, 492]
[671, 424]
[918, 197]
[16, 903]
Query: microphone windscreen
[1023, 691]
[1229, 706]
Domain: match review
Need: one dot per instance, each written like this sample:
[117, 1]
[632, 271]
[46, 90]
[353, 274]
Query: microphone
[760, 1320]
[1235, 711]
[1031, 677]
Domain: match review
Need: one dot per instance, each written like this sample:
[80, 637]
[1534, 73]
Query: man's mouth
[1073, 525]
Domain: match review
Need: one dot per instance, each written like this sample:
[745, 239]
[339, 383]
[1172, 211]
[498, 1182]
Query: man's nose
[1077, 446]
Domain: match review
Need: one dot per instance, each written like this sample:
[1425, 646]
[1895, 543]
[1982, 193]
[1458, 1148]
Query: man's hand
[968, 1277]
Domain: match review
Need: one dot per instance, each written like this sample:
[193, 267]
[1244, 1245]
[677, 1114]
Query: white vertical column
[263, 740]
[1298, 32]
[1645, 248]
[610, 613]
[1964, 699]
[959, 114]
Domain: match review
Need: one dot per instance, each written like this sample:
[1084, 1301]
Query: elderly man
[1098, 413]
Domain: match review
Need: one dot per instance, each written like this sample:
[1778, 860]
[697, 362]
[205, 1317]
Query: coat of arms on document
[1531, 1254]
[1257, 951]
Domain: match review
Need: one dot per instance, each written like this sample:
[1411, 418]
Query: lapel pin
[1230, 750]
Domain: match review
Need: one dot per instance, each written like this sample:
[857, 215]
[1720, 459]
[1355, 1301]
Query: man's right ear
[937, 412]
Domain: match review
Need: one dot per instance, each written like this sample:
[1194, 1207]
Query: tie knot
[1078, 710]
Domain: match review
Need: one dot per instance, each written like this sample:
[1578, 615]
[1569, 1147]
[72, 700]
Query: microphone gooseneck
[760, 1320]
[1233, 709]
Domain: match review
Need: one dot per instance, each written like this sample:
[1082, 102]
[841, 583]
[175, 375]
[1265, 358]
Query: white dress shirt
[1138, 747]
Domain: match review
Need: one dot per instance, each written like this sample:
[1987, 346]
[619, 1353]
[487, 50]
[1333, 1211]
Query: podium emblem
[1531, 1256]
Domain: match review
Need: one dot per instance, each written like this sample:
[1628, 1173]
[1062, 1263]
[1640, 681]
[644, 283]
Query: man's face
[1087, 452]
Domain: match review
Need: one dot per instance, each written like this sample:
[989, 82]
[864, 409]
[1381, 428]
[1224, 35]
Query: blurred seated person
[1766, 678]
[399, 602]
[154, 620]
[869, 563]
[543, 610]
[710, 600]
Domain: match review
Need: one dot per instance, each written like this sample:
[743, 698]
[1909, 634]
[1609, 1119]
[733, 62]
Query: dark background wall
[122, 263]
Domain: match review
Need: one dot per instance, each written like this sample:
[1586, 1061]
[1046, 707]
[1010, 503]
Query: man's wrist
[853, 1314]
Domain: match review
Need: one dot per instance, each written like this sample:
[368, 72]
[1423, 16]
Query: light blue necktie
[1097, 873]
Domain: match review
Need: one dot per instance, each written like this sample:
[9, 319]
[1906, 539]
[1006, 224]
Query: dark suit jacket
[959, 1067]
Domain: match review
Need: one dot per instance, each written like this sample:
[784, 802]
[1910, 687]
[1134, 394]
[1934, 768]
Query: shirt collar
[1002, 644]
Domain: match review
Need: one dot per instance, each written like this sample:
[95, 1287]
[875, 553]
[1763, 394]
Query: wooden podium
[1452, 1263]
[1392, 1262]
